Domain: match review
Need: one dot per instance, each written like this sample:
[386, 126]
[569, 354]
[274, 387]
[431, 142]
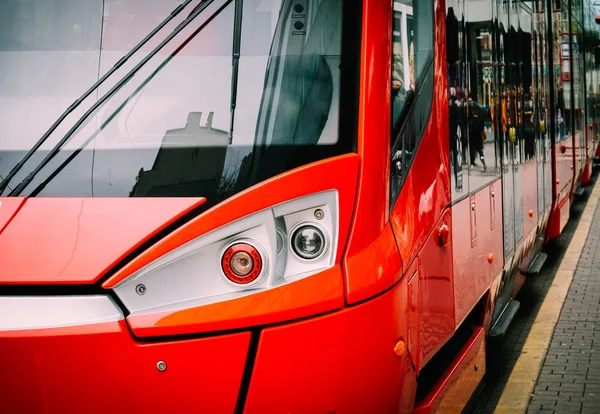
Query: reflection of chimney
[190, 161]
[194, 119]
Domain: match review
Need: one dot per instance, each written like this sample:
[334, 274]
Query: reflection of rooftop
[192, 157]
[194, 135]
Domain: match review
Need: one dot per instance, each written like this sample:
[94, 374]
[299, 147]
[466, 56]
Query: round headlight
[241, 263]
[308, 242]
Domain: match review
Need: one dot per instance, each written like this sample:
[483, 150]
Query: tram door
[536, 88]
[506, 128]
[517, 95]
[529, 113]
[539, 119]
[506, 137]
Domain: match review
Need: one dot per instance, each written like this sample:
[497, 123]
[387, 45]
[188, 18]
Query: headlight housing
[247, 256]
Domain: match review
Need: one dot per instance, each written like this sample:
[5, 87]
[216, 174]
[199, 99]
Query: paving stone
[574, 351]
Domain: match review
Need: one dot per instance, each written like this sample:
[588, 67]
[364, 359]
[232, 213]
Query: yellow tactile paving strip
[523, 377]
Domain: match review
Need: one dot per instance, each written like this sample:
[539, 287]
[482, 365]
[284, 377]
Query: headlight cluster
[270, 248]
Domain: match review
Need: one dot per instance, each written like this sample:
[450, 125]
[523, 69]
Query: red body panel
[369, 237]
[76, 241]
[8, 208]
[311, 296]
[414, 346]
[436, 293]
[343, 362]
[426, 191]
[99, 369]
[530, 198]
[473, 271]
[563, 183]
[577, 156]
[459, 381]
[560, 214]
[586, 175]
[564, 165]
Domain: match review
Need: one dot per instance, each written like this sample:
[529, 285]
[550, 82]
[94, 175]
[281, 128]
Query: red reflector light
[242, 263]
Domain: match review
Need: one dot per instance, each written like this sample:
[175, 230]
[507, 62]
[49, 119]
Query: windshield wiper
[237, 41]
[56, 149]
[71, 157]
[4, 183]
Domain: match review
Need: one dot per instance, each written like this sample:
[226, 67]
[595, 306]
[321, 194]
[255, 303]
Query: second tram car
[279, 206]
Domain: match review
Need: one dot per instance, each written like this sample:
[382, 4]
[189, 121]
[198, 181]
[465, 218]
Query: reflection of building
[189, 161]
[403, 40]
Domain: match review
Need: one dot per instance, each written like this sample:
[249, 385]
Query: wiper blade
[71, 157]
[56, 149]
[237, 41]
[86, 94]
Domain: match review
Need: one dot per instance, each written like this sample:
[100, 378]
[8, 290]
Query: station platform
[569, 379]
[550, 360]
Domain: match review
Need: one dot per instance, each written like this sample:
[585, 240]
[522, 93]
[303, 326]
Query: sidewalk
[569, 381]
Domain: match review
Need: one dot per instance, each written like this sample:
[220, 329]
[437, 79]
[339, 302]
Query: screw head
[319, 214]
[161, 366]
[476, 367]
[140, 289]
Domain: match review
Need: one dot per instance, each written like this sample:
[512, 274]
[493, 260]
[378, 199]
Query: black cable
[43, 185]
[56, 149]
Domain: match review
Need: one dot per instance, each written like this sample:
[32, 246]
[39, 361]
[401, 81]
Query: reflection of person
[411, 63]
[528, 126]
[398, 98]
[476, 133]
[397, 87]
[561, 108]
[454, 137]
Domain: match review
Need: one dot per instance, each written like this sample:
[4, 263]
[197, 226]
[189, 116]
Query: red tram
[258, 206]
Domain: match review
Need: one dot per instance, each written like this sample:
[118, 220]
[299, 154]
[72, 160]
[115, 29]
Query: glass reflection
[481, 89]
[455, 52]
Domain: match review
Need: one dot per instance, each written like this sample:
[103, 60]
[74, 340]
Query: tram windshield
[194, 120]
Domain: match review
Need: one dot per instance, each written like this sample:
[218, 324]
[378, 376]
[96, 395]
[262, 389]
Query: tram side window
[562, 76]
[527, 89]
[412, 46]
[481, 158]
[411, 82]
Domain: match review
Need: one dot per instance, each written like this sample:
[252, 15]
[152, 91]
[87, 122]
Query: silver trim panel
[43, 312]
[191, 275]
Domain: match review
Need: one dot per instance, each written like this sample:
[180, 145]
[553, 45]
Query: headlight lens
[242, 263]
[308, 242]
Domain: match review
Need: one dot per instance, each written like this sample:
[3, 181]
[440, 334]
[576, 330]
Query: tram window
[170, 130]
[411, 84]
[42, 25]
[577, 79]
[528, 86]
[412, 47]
[562, 77]
[482, 139]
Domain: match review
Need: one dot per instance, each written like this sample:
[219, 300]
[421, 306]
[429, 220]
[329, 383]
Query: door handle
[443, 235]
